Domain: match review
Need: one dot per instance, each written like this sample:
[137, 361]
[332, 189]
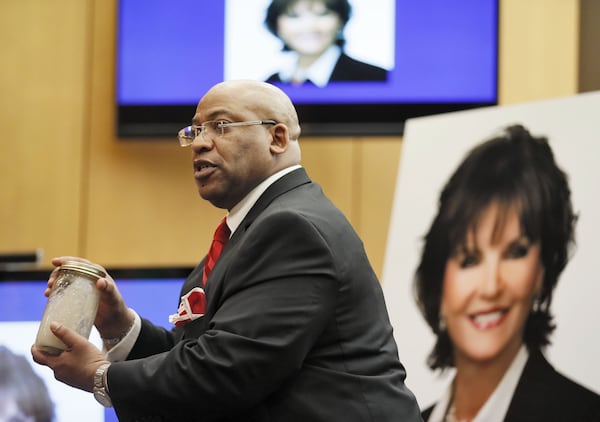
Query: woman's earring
[442, 324]
[537, 304]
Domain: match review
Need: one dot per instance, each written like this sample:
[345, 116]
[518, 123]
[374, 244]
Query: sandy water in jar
[73, 302]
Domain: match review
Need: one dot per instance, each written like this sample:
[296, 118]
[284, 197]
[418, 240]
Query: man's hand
[76, 365]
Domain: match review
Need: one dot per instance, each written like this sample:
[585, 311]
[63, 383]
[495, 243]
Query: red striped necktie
[219, 240]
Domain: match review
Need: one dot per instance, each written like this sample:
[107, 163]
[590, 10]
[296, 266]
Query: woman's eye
[467, 260]
[517, 251]
[324, 13]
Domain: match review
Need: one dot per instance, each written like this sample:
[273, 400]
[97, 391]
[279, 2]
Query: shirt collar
[318, 73]
[497, 404]
[241, 209]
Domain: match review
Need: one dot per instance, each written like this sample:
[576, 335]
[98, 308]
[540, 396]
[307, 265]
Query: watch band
[100, 388]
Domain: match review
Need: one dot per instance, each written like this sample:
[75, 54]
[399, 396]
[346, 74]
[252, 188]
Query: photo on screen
[253, 52]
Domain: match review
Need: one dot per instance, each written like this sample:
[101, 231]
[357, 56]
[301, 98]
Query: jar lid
[83, 267]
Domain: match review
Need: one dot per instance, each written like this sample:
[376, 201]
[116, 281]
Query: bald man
[294, 326]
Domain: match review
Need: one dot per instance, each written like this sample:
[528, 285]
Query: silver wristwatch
[100, 390]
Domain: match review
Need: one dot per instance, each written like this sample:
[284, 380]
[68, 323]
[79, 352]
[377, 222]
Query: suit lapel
[530, 394]
[284, 184]
[288, 182]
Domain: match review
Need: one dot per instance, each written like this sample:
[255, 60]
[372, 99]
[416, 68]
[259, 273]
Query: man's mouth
[203, 169]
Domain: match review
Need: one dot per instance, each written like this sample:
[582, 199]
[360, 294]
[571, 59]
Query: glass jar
[73, 302]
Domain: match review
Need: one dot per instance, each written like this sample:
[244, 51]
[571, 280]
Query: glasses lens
[186, 136]
[209, 130]
[213, 129]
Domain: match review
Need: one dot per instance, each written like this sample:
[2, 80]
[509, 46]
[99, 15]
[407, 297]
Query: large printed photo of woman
[493, 255]
[490, 264]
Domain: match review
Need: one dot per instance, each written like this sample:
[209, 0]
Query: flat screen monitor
[152, 292]
[429, 57]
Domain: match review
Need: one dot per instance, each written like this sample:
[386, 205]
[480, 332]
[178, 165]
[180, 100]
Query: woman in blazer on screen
[312, 33]
[491, 260]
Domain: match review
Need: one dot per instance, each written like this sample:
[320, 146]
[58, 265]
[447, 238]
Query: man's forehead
[203, 115]
[226, 97]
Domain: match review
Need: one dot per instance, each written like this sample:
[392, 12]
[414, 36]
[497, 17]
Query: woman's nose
[492, 281]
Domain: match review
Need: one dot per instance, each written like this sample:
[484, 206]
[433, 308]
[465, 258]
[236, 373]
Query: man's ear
[280, 138]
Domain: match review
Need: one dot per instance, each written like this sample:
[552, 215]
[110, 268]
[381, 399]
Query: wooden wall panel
[589, 57]
[379, 160]
[142, 204]
[538, 49]
[332, 164]
[43, 116]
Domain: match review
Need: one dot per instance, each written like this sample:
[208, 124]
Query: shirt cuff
[121, 350]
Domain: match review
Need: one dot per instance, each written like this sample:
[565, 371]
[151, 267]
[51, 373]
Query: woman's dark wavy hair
[278, 7]
[513, 168]
[19, 381]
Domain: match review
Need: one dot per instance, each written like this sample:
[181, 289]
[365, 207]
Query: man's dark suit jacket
[348, 69]
[545, 395]
[296, 329]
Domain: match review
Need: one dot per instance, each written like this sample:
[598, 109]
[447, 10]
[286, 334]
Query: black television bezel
[162, 121]
[118, 273]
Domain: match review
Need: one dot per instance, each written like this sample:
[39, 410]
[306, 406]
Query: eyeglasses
[213, 129]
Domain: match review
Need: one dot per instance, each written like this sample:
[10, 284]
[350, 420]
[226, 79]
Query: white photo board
[432, 149]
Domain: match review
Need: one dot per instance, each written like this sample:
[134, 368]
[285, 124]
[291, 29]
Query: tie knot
[222, 232]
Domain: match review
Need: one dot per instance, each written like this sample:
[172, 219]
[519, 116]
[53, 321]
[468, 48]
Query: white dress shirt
[318, 73]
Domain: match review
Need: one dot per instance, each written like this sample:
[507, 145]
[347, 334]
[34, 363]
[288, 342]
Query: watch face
[102, 398]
